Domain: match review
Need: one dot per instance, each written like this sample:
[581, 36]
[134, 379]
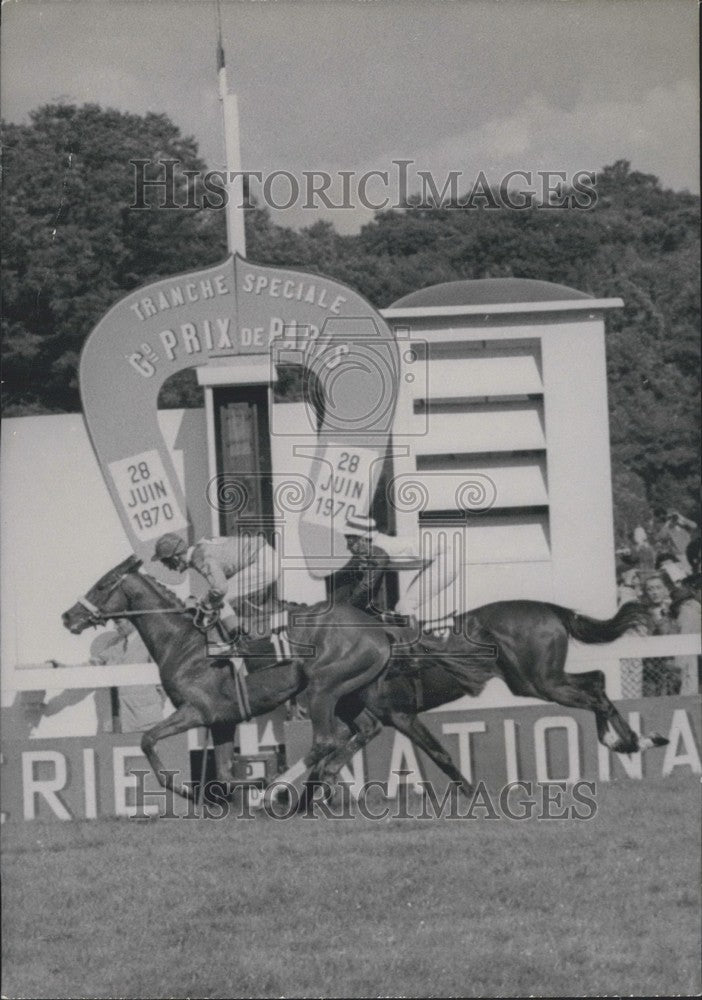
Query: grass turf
[318, 908]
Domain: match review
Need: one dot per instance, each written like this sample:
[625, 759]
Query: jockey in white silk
[235, 567]
[428, 598]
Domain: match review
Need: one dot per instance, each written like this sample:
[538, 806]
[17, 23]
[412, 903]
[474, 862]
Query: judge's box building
[499, 440]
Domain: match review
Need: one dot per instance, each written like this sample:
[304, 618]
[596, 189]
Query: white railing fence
[35, 677]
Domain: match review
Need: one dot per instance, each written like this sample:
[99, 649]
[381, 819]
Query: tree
[72, 243]
[639, 242]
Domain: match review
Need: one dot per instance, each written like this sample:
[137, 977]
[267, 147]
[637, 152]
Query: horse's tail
[631, 615]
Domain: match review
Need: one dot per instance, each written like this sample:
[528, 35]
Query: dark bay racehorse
[523, 642]
[333, 653]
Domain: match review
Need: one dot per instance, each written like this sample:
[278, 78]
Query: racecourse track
[322, 908]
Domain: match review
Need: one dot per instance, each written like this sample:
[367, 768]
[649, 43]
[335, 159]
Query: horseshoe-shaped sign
[211, 317]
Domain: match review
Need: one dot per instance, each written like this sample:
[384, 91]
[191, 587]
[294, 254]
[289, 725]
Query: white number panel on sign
[147, 495]
[343, 487]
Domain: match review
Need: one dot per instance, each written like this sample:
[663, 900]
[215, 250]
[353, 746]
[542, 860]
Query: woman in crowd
[628, 586]
[660, 674]
[642, 552]
[686, 616]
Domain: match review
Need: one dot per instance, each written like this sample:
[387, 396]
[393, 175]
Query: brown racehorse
[333, 654]
[523, 642]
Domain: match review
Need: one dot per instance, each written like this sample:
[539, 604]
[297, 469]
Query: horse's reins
[99, 615]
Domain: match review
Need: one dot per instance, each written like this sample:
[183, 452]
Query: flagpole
[236, 236]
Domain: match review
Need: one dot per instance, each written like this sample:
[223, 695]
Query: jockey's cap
[168, 545]
[358, 524]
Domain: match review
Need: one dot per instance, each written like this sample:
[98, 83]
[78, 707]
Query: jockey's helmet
[358, 524]
[167, 546]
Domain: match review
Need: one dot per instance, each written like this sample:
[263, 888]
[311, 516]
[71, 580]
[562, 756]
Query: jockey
[234, 567]
[434, 572]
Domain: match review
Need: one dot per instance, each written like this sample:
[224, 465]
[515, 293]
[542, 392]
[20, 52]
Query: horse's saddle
[454, 649]
[265, 644]
[432, 635]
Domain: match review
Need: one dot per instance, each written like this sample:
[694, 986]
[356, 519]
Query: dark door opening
[245, 493]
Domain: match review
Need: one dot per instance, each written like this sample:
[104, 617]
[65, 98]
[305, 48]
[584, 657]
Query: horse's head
[105, 600]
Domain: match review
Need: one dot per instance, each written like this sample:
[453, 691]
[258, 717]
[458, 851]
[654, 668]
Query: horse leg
[612, 729]
[319, 774]
[358, 731]
[582, 691]
[184, 718]
[321, 704]
[223, 745]
[325, 687]
[587, 691]
[366, 727]
[542, 673]
[416, 731]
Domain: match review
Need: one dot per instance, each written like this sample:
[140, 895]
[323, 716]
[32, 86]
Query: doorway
[244, 459]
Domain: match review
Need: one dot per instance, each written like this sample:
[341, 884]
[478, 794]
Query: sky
[453, 85]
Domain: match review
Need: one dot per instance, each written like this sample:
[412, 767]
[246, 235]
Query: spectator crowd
[661, 569]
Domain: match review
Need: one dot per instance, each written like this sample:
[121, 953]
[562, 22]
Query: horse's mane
[163, 590]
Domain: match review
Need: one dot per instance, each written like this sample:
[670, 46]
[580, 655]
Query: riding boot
[231, 626]
[227, 632]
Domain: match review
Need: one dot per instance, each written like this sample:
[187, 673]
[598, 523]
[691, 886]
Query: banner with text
[216, 316]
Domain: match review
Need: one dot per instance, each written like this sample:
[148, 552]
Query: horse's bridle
[94, 612]
[203, 619]
[97, 615]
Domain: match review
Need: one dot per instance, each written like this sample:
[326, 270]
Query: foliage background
[72, 246]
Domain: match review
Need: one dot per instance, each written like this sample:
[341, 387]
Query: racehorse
[333, 653]
[523, 642]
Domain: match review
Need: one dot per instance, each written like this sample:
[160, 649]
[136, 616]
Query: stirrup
[279, 620]
[395, 618]
[440, 627]
[204, 617]
[219, 649]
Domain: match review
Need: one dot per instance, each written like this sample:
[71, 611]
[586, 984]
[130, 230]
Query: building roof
[488, 291]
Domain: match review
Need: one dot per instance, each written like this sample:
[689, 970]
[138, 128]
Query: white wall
[579, 467]
[290, 427]
[60, 533]
[553, 367]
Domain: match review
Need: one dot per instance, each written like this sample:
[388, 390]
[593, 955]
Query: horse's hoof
[658, 741]
[633, 746]
[314, 756]
[318, 752]
[652, 740]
